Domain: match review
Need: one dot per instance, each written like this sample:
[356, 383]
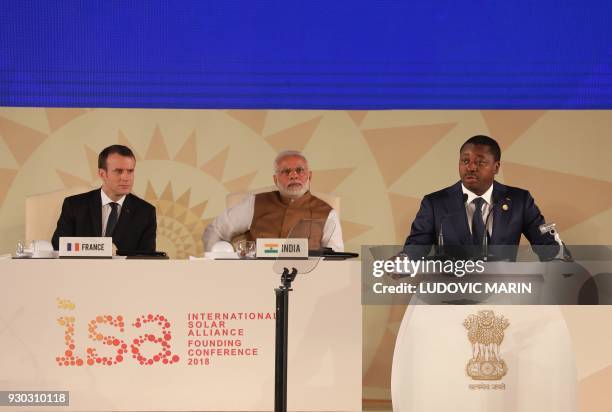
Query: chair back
[43, 210]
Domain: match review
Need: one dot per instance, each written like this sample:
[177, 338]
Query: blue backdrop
[336, 54]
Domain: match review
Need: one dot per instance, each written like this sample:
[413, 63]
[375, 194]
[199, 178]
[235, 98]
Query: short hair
[287, 153]
[114, 149]
[483, 140]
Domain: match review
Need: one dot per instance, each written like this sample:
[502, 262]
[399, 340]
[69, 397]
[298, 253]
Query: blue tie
[478, 227]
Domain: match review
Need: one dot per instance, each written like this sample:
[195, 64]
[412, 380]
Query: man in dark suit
[460, 216]
[111, 211]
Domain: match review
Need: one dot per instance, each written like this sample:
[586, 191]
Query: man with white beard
[274, 214]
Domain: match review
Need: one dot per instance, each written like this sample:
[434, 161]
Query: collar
[293, 202]
[106, 200]
[471, 195]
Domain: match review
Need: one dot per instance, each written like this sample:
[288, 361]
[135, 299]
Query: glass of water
[20, 249]
[246, 249]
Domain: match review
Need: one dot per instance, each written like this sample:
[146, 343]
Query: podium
[484, 357]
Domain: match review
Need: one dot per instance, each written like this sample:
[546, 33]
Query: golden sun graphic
[180, 187]
[380, 163]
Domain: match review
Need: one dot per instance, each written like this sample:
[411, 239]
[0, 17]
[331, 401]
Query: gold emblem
[505, 207]
[486, 333]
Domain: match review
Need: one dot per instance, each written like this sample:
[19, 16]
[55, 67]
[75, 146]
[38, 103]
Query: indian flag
[270, 247]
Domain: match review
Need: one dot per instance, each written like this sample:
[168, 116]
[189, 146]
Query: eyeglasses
[301, 171]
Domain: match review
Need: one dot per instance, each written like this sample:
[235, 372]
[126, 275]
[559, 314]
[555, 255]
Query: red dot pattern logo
[165, 355]
[121, 347]
[69, 358]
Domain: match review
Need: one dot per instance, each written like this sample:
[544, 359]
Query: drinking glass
[246, 249]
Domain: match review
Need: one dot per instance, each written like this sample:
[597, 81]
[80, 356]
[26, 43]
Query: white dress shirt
[106, 209]
[470, 207]
[237, 220]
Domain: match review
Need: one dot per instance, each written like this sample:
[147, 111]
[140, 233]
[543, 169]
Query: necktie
[112, 219]
[478, 228]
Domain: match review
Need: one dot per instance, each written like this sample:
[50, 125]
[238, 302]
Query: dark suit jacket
[82, 216]
[514, 213]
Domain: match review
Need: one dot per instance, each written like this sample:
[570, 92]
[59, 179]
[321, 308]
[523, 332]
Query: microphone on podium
[551, 228]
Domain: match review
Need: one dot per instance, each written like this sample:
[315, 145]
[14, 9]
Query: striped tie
[478, 227]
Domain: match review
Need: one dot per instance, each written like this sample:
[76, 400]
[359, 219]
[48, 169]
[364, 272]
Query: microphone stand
[551, 228]
[282, 326]
[440, 245]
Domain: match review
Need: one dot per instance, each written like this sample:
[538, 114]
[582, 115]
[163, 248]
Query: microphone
[551, 228]
[485, 235]
[548, 228]
[440, 244]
